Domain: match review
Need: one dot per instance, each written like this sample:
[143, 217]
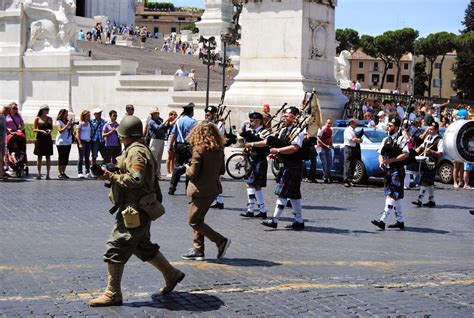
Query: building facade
[165, 22]
[117, 11]
[369, 72]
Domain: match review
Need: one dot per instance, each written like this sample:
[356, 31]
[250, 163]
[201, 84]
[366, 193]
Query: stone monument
[118, 11]
[288, 47]
[217, 19]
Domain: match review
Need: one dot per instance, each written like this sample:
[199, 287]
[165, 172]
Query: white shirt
[429, 141]
[181, 72]
[349, 134]
[400, 111]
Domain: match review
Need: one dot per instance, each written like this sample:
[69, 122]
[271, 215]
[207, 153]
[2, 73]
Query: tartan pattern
[258, 173]
[289, 182]
[427, 175]
[393, 183]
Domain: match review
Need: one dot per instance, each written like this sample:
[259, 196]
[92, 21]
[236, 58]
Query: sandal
[48, 178]
[38, 177]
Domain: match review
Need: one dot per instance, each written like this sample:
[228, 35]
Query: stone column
[217, 18]
[287, 48]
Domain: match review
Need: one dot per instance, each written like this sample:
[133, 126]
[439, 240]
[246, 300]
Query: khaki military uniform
[136, 179]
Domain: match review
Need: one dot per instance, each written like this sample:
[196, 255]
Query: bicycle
[238, 165]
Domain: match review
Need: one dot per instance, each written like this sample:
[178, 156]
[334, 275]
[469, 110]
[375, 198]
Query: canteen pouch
[278, 189]
[131, 217]
[153, 208]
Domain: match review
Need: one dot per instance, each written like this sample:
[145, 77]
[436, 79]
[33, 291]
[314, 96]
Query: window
[156, 30]
[173, 29]
[390, 66]
[453, 84]
[361, 77]
[338, 137]
[375, 78]
[181, 18]
[405, 78]
[405, 66]
[437, 66]
[144, 17]
[361, 64]
[455, 66]
[390, 78]
[437, 83]
[376, 66]
[156, 17]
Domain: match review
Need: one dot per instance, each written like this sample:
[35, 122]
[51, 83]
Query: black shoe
[297, 226]
[222, 248]
[218, 205]
[65, 176]
[270, 223]
[400, 225]
[326, 180]
[247, 214]
[171, 191]
[193, 255]
[288, 204]
[61, 177]
[430, 204]
[262, 215]
[417, 203]
[472, 212]
[380, 224]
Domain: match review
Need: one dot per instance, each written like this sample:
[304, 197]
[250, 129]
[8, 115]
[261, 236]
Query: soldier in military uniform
[287, 146]
[392, 154]
[432, 147]
[257, 176]
[136, 195]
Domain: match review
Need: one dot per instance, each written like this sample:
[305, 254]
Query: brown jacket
[204, 173]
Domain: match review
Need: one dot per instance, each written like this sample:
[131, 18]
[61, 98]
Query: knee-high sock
[260, 201]
[389, 205]
[250, 199]
[422, 193]
[297, 210]
[399, 210]
[280, 205]
[220, 199]
[407, 179]
[431, 193]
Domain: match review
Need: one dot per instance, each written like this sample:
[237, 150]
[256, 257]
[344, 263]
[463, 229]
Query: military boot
[112, 295]
[171, 274]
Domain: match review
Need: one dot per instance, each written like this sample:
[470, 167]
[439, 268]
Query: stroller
[16, 158]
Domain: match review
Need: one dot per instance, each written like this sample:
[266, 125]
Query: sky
[373, 17]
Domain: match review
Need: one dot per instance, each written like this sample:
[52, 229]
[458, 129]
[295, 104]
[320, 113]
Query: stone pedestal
[217, 18]
[288, 47]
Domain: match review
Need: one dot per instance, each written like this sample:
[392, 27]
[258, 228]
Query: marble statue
[15, 5]
[342, 68]
[51, 29]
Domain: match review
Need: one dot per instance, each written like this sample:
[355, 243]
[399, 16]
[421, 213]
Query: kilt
[427, 175]
[289, 182]
[393, 183]
[258, 173]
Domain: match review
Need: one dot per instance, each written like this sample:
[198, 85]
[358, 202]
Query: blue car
[369, 165]
[365, 168]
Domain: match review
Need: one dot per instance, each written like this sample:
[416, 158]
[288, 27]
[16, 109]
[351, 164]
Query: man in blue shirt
[98, 143]
[179, 144]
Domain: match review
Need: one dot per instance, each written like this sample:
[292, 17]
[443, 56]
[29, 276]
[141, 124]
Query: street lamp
[209, 45]
[226, 38]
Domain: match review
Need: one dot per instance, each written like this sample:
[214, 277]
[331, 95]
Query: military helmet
[131, 126]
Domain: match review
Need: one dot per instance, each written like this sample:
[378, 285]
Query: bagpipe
[309, 119]
[222, 117]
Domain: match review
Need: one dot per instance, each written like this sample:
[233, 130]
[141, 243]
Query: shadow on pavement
[332, 230]
[323, 208]
[245, 262]
[181, 301]
[425, 230]
[452, 206]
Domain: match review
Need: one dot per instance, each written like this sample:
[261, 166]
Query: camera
[98, 171]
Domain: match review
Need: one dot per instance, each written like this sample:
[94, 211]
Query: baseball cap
[381, 113]
[97, 111]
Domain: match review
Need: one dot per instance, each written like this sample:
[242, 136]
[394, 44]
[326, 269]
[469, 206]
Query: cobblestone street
[54, 233]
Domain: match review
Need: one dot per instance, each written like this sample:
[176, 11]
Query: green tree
[401, 42]
[378, 47]
[348, 40]
[447, 44]
[469, 18]
[430, 51]
[420, 78]
[465, 65]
